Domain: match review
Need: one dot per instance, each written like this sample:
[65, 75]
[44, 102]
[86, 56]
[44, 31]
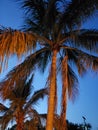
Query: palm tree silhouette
[53, 27]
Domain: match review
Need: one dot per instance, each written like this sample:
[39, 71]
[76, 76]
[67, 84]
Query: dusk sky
[86, 103]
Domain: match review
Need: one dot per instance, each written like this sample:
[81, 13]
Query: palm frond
[36, 96]
[86, 61]
[43, 63]
[69, 84]
[77, 12]
[20, 73]
[51, 14]
[71, 76]
[35, 7]
[41, 12]
[27, 88]
[15, 42]
[5, 119]
[72, 84]
[35, 11]
[3, 108]
[22, 92]
[74, 59]
[85, 38]
[81, 59]
[95, 64]
[89, 61]
[43, 18]
[30, 25]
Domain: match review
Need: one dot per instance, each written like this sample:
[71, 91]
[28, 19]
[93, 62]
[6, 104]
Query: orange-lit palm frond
[20, 73]
[15, 42]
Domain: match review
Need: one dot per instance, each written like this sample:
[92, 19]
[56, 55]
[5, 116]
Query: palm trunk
[64, 93]
[52, 92]
[19, 120]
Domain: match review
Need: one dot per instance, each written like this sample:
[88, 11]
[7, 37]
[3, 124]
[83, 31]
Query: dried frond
[15, 42]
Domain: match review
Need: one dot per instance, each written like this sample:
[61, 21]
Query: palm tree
[55, 26]
[21, 106]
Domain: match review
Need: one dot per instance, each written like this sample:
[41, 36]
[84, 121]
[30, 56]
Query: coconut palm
[21, 107]
[55, 26]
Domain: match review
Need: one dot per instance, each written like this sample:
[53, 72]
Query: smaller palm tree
[21, 107]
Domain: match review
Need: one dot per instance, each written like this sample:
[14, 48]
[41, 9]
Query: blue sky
[86, 103]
